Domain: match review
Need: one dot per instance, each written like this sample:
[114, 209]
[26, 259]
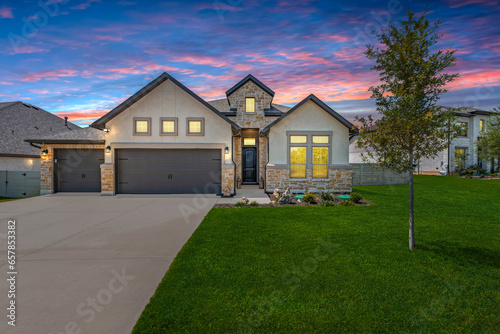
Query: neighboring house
[19, 121]
[166, 139]
[461, 153]
[20, 161]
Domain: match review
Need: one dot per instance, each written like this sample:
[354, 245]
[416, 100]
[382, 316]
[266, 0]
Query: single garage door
[176, 171]
[78, 170]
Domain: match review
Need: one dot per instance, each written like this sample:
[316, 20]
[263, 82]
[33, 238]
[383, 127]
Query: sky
[81, 58]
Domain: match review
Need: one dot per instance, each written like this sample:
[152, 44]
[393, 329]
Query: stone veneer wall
[228, 178]
[340, 180]
[47, 164]
[108, 179]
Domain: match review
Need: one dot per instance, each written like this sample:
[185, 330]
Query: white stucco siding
[19, 164]
[309, 118]
[168, 100]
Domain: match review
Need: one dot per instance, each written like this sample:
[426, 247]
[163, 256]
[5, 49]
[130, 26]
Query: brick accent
[108, 179]
[228, 178]
[340, 180]
[262, 158]
[47, 164]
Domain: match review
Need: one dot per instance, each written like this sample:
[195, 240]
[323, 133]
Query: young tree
[412, 126]
[488, 145]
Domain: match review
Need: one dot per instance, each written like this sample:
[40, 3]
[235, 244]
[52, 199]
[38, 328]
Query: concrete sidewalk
[92, 263]
[252, 192]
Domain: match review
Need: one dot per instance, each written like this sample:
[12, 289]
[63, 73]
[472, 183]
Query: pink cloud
[6, 83]
[461, 3]
[109, 38]
[6, 13]
[39, 91]
[304, 57]
[49, 74]
[85, 5]
[28, 49]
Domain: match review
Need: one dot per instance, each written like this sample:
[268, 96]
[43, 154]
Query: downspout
[449, 129]
[265, 165]
[39, 147]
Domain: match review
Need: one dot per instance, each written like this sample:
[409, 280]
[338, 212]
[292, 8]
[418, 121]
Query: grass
[341, 269]
[6, 199]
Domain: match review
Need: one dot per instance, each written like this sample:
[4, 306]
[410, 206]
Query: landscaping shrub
[254, 203]
[309, 198]
[326, 196]
[356, 197]
[346, 203]
[328, 203]
[240, 204]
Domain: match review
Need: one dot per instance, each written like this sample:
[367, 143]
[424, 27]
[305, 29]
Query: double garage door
[176, 171]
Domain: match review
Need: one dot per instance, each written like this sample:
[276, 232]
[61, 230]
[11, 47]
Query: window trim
[202, 120]
[176, 129]
[134, 124]
[309, 145]
[254, 105]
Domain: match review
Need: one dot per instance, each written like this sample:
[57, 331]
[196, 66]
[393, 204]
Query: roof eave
[65, 141]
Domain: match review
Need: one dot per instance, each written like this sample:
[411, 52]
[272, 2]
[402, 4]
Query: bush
[240, 204]
[254, 203]
[346, 203]
[328, 203]
[356, 197]
[326, 196]
[309, 198]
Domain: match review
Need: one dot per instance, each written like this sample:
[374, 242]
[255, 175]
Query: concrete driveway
[90, 264]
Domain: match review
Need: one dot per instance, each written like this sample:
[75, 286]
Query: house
[167, 139]
[461, 152]
[20, 161]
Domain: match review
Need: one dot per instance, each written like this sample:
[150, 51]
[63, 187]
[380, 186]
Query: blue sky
[81, 58]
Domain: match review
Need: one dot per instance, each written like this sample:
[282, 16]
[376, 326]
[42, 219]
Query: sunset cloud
[6, 13]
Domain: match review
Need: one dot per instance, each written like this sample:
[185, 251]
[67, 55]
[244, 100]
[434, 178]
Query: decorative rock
[244, 200]
[286, 198]
[226, 192]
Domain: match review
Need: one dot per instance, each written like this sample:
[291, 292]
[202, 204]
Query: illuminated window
[250, 104]
[195, 126]
[298, 160]
[298, 139]
[460, 156]
[320, 162]
[321, 139]
[168, 126]
[462, 129]
[142, 126]
[249, 141]
[481, 125]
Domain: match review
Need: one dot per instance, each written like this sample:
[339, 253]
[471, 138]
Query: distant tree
[488, 144]
[412, 126]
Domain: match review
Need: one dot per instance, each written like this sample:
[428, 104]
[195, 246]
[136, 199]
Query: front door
[250, 165]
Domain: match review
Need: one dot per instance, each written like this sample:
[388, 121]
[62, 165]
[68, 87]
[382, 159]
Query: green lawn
[6, 199]
[341, 269]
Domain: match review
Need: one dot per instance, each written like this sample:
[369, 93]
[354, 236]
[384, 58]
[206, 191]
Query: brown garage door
[150, 171]
[78, 170]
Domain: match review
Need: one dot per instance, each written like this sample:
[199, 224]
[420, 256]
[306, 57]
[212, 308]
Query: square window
[320, 155]
[321, 139]
[462, 128]
[298, 139]
[168, 126]
[250, 104]
[142, 126]
[320, 171]
[298, 171]
[195, 127]
[249, 141]
[298, 155]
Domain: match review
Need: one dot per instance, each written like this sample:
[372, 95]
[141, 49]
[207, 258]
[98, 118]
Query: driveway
[90, 264]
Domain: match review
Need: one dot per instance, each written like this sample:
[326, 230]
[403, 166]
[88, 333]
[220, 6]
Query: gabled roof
[84, 135]
[321, 104]
[245, 80]
[19, 121]
[100, 123]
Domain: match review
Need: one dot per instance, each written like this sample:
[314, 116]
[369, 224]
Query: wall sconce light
[226, 150]
[107, 130]
[108, 149]
[44, 153]
[30, 161]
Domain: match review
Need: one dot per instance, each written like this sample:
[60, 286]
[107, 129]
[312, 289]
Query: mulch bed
[319, 202]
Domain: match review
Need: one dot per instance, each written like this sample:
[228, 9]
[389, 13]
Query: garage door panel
[78, 170]
[168, 171]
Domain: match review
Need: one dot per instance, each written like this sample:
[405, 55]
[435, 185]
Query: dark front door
[78, 170]
[149, 171]
[250, 165]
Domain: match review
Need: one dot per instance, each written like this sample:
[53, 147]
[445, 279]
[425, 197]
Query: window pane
[168, 126]
[462, 128]
[194, 126]
[481, 125]
[298, 139]
[141, 126]
[250, 107]
[298, 171]
[298, 155]
[321, 139]
[249, 141]
[320, 155]
[320, 171]
[460, 155]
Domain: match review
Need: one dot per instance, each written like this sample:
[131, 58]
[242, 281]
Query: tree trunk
[411, 227]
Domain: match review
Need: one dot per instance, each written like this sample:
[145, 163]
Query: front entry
[250, 165]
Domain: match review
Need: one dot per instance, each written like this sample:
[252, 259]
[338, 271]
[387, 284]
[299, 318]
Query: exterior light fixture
[44, 153]
[108, 149]
[30, 161]
[107, 130]
[226, 150]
